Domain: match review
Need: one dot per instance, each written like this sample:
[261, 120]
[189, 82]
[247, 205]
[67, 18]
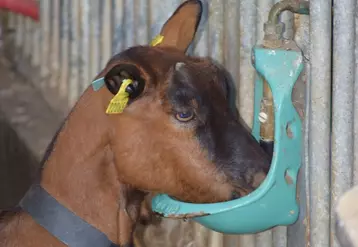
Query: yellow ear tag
[120, 100]
[157, 40]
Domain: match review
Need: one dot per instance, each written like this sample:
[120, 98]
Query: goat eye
[184, 116]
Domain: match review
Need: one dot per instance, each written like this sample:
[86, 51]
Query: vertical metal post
[296, 234]
[231, 38]
[74, 39]
[118, 27]
[95, 37]
[342, 102]
[63, 87]
[55, 45]
[85, 53]
[28, 48]
[248, 16]
[320, 118]
[216, 25]
[355, 172]
[128, 23]
[45, 36]
[264, 239]
[245, 98]
[106, 36]
[141, 22]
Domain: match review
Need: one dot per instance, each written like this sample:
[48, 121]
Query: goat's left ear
[179, 30]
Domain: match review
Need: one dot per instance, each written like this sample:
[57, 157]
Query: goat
[178, 134]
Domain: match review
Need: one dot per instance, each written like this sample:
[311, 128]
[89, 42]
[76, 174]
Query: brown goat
[177, 135]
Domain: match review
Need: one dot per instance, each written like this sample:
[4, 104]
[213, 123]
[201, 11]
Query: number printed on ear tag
[120, 100]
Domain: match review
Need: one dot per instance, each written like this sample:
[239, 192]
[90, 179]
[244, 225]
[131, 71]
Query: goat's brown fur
[102, 166]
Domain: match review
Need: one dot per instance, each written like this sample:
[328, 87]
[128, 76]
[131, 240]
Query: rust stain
[185, 216]
[288, 178]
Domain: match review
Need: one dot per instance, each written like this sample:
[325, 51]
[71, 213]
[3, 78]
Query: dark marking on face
[216, 126]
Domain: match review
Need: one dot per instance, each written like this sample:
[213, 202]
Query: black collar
[61, 222]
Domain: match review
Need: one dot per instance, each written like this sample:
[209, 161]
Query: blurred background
[49, 57]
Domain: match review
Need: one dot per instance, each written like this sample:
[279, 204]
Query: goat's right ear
[179, 30]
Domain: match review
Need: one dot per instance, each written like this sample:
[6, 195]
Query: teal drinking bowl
[274, 202]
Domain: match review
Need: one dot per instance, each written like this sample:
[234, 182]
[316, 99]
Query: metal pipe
[296, 234]
[106, 35]
[265, 239]
[141, 8]
[231, 38]
[355, 172]
[299, 7]
[319, 122]
[74, 40]
[85, 57]
[342, 102]
[63, 83]
[118, 27]
[248, 16]
[216, 24]
[55, 45]
[128, 23]
[45, 37]
[245, 90]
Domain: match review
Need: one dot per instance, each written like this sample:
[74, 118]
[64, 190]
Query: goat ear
[114, 78]
[179, 30]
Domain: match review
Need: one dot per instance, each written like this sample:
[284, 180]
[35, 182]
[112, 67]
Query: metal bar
[296, 234]
[264, 239]
[74, 39]
[106, 36]
[320, 117]
[128, 23]
[95, 44]
[216, 239]
[36, 48]
[355, 172]
[141, 9]
[201, 237]
[247, 72]
[85, 57]
[342, 102]
[263, 9]
[118, 27]
[245, 90]
[28, 38]
[279, 236]
[63, 86]
[19, 37]
[231, 38]
[216, 30]
[55, 45]
[160, 11]
[45, 37]
[202, 43]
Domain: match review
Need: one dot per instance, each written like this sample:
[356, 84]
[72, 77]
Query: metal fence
[74, 40]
